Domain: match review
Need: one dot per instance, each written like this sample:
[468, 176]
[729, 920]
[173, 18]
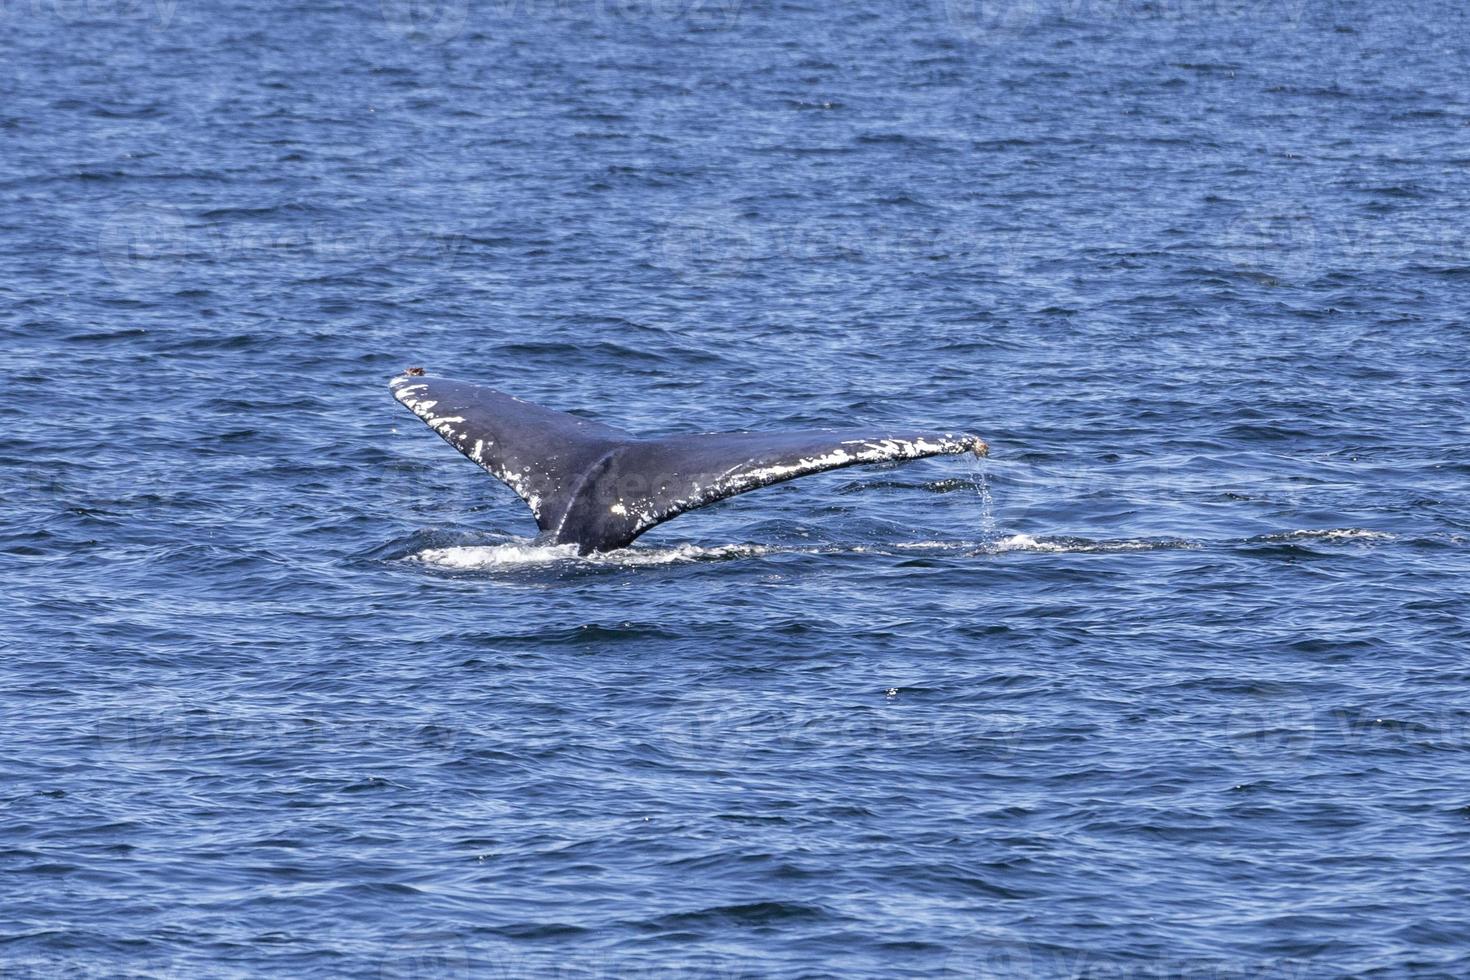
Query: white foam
[469, 557]
[516, 554]
[1025, 542]
[684, 552]
[519, 554]
[932, 545]
[1337, 534]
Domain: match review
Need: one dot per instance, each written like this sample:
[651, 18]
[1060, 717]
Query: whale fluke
[599, 487]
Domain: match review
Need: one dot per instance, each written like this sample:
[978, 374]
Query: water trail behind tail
[980, 479]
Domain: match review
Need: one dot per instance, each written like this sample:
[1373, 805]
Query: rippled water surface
[1174, 684]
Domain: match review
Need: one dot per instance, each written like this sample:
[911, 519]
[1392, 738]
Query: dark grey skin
[599, 487]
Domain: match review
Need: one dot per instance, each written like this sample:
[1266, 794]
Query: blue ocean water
[1174, 684]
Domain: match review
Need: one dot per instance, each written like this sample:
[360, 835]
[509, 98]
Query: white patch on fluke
[444, 425]
[750, 475]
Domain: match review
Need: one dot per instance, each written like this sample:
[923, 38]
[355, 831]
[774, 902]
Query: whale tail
[599, 487]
